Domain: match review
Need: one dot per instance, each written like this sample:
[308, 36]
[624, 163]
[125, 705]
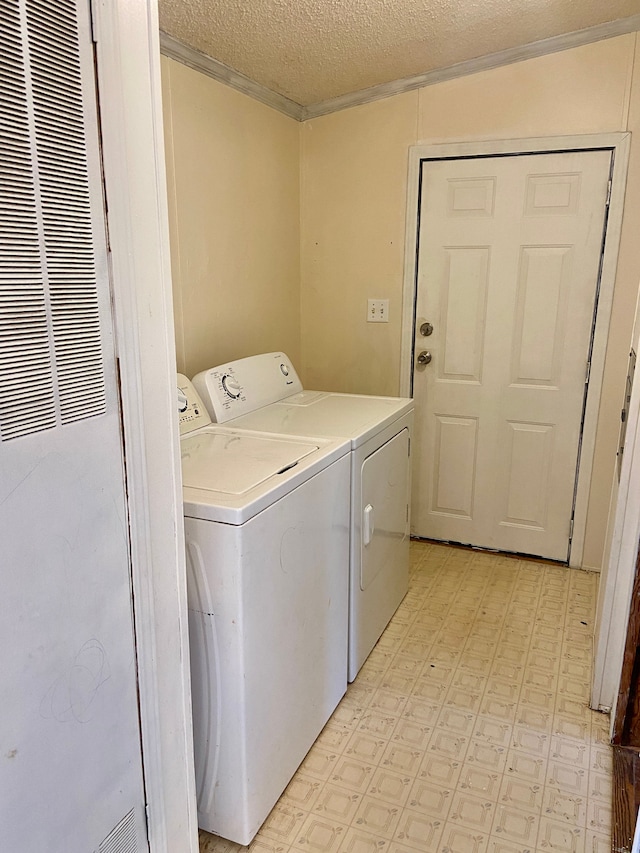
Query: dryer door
[385, 507]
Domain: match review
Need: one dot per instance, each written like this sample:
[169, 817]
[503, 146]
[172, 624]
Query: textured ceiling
[313, 50]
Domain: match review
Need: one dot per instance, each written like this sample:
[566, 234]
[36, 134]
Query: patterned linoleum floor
[467, 730]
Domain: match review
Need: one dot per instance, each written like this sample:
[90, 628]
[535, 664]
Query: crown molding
[555, 44]
[175, 49]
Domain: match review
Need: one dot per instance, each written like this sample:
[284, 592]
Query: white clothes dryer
[267, 543]
[264, 393]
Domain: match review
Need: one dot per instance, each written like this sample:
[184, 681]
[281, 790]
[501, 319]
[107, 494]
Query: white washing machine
[264, 393]
[267, 541]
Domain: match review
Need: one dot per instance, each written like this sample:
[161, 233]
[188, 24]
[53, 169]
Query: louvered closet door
[70, 756]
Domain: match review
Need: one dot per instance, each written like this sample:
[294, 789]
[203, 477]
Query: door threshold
[515, 555]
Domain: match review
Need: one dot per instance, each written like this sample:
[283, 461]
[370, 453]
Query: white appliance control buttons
[284, 369]
[183, 401]
[231, 386]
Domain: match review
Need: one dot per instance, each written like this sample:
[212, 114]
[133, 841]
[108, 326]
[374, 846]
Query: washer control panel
[240, 387]
[222, 392]
[231, 386]
[192, 412]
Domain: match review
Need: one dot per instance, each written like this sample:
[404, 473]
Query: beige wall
[353, 205]
[354, 189]
[233, 173]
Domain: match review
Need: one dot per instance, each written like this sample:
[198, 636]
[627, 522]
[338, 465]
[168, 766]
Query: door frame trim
[617, 579]
[130, 102]
[619, 145]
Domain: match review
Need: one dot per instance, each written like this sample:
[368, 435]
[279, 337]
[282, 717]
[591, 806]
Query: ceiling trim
[555, 44]
[174, 49]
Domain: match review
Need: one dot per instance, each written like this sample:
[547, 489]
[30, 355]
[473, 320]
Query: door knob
[426, 329]
[424, 357]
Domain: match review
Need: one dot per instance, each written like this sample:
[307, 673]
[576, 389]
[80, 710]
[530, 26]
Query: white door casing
[479, 355]
[126, 33]
[618, 573]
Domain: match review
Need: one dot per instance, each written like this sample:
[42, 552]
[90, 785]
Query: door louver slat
[51, 363]
[122, 838]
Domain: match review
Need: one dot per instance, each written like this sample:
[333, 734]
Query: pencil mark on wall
[71, 696]
[20, 483]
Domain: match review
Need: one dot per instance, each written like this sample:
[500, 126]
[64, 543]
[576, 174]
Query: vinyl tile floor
[467, 729]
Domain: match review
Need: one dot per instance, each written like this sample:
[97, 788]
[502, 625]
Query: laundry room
[283, 228]
[319, 436]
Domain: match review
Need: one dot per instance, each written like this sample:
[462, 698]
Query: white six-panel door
[508, 268]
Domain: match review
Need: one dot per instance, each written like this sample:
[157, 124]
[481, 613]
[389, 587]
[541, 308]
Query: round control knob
[231, 386]
[183, 401]
[285, 370]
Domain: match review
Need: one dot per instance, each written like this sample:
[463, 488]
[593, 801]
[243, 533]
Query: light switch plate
[378, 311]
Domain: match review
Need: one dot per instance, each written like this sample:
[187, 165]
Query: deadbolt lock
[426, 329]
[424, 357]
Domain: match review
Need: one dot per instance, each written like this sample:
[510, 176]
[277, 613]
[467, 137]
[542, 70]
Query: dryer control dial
[231, 386]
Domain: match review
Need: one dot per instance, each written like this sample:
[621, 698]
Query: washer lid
[233, 463]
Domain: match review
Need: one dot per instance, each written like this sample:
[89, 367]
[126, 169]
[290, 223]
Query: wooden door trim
[625, 797]
[626, 722]
[619, 144]
[626, 732]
